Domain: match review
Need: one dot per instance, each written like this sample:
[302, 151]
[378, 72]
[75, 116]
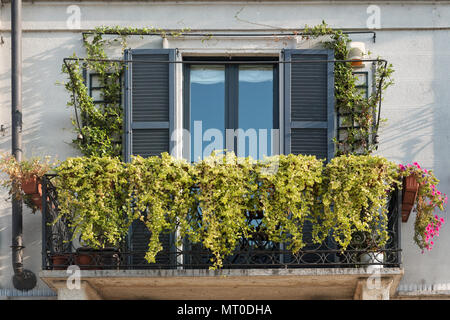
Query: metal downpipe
[23, 279]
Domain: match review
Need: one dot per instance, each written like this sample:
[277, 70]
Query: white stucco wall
[414, 37]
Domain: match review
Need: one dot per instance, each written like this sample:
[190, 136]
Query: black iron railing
[59, 251]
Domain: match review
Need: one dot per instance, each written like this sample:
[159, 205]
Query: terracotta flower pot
[92, 259]
[410, 190]
[32, 186]
[356, 63]
[60, 261]
[86, 259]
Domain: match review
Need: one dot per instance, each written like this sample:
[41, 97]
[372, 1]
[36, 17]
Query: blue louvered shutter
[309, 122]
[309, 126]
[149, 102]
[149, 123]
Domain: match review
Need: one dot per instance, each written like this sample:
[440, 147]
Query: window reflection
[255, 116]
[207, 110]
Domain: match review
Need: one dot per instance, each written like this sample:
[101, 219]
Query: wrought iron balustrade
[59, 251]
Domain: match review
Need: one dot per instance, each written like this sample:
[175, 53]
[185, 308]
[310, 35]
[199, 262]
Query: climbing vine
[357, 113]
[100, 125]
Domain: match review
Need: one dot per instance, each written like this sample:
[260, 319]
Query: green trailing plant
[95, 199]
[212, 202]
[162, 192]
[288, 196]
[355, 196]
[223, 191]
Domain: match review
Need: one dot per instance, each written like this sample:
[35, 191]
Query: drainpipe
[23, 279]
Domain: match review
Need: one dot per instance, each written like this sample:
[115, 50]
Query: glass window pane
[255, 116]
[207, 107]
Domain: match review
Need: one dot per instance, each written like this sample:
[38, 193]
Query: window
[220, 96]
[231, 106]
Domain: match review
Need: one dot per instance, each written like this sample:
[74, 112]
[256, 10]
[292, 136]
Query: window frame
[231, 116]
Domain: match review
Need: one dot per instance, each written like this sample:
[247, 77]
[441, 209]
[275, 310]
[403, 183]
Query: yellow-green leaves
[215, 202]
[289, 196]
[95, 198]
[355, 197]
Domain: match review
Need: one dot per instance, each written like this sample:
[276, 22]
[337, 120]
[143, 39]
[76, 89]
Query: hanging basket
[33, 187]
[409, 195]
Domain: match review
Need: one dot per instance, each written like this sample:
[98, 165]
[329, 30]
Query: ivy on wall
[100, 127]
[351, 105]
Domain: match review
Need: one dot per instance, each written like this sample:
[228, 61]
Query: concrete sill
[234, 284]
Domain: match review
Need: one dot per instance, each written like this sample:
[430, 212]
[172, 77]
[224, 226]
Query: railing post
[399, 225]
[44, 222]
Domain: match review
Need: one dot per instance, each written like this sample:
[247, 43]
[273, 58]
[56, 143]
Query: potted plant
[427, 200]
[24, 179]
[367, 249]
[95, 198]
[60, 261]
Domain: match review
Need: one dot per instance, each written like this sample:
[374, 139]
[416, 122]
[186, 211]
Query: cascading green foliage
[163, 196]
[287, 194]
[354, 197]
[212, 202]
[95, 198]
[223, 190]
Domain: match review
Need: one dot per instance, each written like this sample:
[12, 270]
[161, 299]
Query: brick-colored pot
[32, 186]
[409, 195]
[60, 261]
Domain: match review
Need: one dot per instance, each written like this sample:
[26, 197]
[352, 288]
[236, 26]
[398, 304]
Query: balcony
[316, 271]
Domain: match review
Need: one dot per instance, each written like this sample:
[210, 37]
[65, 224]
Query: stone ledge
[223, 272]
[226, 284]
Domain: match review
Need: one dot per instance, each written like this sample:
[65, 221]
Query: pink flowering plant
[429, 198]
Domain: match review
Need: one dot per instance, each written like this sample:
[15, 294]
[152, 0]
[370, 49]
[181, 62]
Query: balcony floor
[229, 284]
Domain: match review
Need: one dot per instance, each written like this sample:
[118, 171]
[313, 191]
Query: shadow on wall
[421, 133]
[47, 130]
[404, 134]
[44, 102]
